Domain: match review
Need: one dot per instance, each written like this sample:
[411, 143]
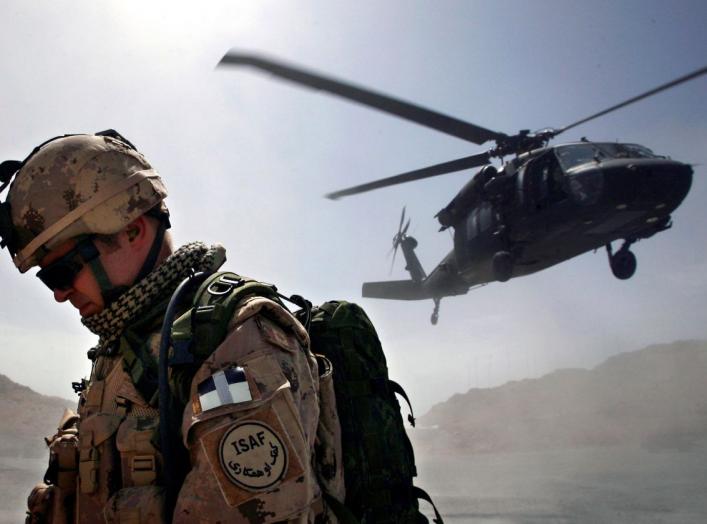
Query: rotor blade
[402, 219]
[418, 174]
[415, 113]
[405, 229]
[392, 264]
[652, 92]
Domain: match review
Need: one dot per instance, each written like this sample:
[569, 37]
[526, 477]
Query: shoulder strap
[168, 446]
[200, 330]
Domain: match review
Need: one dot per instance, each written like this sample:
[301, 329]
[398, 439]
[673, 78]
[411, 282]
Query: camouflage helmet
[76, 185]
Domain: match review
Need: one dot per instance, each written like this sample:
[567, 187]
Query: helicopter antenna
[651, 92]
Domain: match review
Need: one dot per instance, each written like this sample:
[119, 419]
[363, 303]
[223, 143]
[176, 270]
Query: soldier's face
[121, 261]
[84, 292]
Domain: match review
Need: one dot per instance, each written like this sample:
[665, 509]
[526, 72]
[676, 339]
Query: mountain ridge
[28, 417]
[655, 396]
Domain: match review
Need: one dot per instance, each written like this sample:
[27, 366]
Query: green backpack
[379, 464]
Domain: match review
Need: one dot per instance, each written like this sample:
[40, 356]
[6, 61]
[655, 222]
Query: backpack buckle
[223, 285]
[143, 469]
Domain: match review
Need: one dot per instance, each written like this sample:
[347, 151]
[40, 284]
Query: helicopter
[544, 205]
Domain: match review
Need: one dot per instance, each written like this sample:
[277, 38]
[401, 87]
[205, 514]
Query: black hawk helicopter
[545, 205]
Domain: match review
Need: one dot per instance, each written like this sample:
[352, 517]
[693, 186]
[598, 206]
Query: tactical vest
[119, 461]
[107, 468]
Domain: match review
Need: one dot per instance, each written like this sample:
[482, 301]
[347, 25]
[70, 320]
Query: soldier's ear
[136, 231]
[132, 233]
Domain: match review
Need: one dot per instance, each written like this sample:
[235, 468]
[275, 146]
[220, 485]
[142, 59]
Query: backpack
[379, 464]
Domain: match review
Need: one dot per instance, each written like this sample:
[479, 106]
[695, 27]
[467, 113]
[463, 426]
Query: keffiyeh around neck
[110, 323]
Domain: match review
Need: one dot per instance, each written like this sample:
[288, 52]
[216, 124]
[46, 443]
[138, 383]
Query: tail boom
[396, 290]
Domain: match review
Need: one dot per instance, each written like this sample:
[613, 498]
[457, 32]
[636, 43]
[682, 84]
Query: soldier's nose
[62, 295]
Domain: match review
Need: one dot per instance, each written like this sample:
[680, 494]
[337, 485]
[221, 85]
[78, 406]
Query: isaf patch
[262, 452]
[253, 456]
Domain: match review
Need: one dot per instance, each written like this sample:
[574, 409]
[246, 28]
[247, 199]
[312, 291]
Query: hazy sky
[247, 158]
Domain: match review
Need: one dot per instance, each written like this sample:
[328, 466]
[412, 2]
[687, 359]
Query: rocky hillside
[656, 397]
[27, 417]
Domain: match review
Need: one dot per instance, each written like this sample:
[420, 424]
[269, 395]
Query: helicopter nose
[652, 182]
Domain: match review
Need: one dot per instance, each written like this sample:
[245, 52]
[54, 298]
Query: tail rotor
[399, 237]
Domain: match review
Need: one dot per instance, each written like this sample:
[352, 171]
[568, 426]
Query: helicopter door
[480, 241]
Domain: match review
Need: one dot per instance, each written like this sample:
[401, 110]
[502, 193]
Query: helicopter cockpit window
[573, 155]
[545, 181]
[616, 150]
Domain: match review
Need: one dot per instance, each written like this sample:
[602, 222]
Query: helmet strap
[151, 258]
[109, 292]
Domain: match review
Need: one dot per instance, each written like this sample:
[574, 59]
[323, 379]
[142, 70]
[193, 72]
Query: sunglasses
[61, 273]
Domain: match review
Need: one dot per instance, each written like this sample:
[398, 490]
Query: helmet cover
[78, 185]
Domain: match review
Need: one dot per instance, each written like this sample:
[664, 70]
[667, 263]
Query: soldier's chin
[89, 309]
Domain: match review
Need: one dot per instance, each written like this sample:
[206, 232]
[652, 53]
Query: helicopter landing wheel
[623, 264]
[502, 264]
[435, 313]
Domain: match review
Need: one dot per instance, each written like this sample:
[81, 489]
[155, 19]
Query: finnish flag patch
[228, 386]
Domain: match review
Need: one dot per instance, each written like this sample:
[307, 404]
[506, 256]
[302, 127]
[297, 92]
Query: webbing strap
[422, 494]
[142, 368]
[213, 307]
[397, 388]
[380, 386]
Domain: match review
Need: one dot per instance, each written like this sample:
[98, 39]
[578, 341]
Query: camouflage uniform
[119, 463]
[255, 456]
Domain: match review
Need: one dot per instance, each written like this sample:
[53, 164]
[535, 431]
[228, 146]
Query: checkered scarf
[157, 285]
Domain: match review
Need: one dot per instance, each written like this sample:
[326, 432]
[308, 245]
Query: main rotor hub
[523, 142]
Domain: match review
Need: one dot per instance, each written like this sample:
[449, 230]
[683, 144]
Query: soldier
[89, 211]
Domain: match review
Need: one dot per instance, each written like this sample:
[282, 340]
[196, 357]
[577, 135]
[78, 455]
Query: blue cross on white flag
[228, 386]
